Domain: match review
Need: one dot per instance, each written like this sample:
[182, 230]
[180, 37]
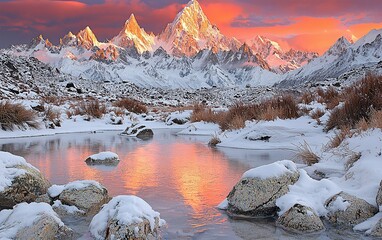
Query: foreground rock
[379, 195]
[256, 193]
[19, 181]
[32, 221]
[103, 158]
[376, 231]
[349, 210]
[126, 217]
[139, 131]
[300, 219]
[86, 195]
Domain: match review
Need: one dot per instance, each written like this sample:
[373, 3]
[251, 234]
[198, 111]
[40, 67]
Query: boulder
[32, 221]
[256, 193]
[376, 231]
[104, 158]
[379, 195]
[19, 181]
[300, 219]
[346, 209]
[139, 131]
[86, 195]
[126, 217]
[65, 210]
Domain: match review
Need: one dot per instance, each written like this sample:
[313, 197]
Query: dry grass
[305, 153]
[91, 108]
[52, 114]
[54, 100]
[359, 101]
[214, 141]
[317, 114]
[354, 157]
[131, 105]
[375, 120]
[339, 137]
[307, 97]
[16, 115]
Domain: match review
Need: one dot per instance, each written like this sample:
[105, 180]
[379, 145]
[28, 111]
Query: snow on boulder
[32, 221]
[107, 158]
[178, 117]
[19, 181]
[379, 195]
[376, 231]
[256, 193]
[126, 217]
[347, 209]
[64, 210]
[300, 219]
[139, 131]
[87, 195]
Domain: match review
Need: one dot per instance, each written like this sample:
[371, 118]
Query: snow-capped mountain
[86, 38]
[132, 35]
[341, 58]
[279, 60]
[191, 31]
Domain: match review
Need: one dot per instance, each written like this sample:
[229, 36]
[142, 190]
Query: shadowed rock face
[116, 230]
[300, 219]
[379, 195]
[356, 211]
[24, 188]
[255, 197]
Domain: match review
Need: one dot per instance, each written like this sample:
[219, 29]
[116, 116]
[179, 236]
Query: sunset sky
[301, 24]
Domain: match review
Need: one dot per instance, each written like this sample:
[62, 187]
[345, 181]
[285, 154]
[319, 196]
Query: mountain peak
[338, 47]
[86, 38]
[133, 35]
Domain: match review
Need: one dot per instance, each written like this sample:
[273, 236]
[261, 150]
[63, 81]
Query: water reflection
[178, 176]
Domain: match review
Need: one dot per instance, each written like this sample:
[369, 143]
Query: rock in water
[32, 221]
[126, 217]
[256, 193]
[139, 131]
[346, 209]
[103, 158]
[19, 181]
[86, 195]
[376, 231]
[300, 219]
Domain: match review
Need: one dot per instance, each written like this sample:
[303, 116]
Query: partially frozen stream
[179, 176]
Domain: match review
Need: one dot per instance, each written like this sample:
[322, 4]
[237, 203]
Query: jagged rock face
[256, 197]
[300, 219]
[132, 35]
[339, 47]
[379, 195]
[68, 40]
[24, 188]
[191, 32]
[87, 39]
[348, 210]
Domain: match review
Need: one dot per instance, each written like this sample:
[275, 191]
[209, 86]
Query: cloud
[257, 21]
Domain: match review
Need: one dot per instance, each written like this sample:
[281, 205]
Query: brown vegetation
[91, 108]
[305, 153]
[131, 105]
[15, 114]
[361, 99]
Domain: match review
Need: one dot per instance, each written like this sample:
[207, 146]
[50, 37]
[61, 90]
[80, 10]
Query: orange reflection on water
[199, 175]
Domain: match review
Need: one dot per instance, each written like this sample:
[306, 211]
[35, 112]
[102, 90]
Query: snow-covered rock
[126, 217]
[347, 209]
[139, 131]
[64, 210]
[259, 188]
[301, 219]
[376, 231]
[32, 221]
[178, 117]
[87, 195]
[106, 158]
[19, 181]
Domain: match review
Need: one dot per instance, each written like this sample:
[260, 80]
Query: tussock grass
[16, 115]
[131, 105]
[91, 108]
[305, 153]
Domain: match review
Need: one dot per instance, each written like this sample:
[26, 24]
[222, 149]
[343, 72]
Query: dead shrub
[52, 114]
[131, 105]
[307, 97]
[361, 98]
[16, 115]
[305, 153]
[91, 108]
[214, 141]
[339, 137]
[317, 114]
[376, 119]
[52, 99]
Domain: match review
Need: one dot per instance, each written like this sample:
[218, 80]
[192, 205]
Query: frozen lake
[179, 176]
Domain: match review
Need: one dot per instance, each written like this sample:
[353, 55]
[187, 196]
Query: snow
[369, 223]
[67, 208]
[275, 169]
[8, 170]
[339, 204]
[23, 215]
[126, 209]
[201, 129]
[102, 156]
[223, 205]
[56, 190]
